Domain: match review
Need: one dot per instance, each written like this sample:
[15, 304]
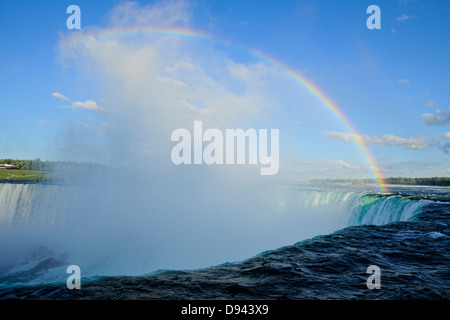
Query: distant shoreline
[433, 181]
[29, 176]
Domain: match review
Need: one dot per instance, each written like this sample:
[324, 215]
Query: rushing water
[285, 243]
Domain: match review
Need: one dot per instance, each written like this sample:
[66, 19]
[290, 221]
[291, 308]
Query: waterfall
[134, 229]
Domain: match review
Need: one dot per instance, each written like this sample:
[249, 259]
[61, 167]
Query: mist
[128, 227]
[145, 213]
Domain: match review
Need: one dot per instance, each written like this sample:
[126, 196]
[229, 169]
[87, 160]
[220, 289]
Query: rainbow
[83, 37]
[331, 106]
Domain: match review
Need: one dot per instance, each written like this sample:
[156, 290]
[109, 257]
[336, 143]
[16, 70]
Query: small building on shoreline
[5, 166]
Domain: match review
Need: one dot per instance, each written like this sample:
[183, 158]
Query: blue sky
[89, 102]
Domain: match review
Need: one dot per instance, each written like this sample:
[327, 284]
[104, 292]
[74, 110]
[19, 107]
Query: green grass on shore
[25, 175]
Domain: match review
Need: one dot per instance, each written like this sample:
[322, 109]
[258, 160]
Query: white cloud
[88, 105]
[445, 136]
[405, 143]
[442, 117]
[405, 2]
[160, 14]
[84, 125]
[442, 143]
[405, 17]
[58, 123]
[344, 136]
[326, 169]
[342, 163]
[60, 96]
[167, 84]
[155, 84]
[448, 170]
[43, 123]
[430, 103]
[404, 81]
[387, 139]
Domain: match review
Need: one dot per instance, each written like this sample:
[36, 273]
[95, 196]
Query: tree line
[32, 165]
[434, 181]
[39, 165]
